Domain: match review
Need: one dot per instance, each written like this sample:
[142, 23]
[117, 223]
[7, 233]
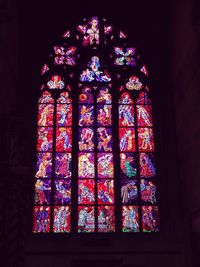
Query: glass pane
[63, 165]
[61, 223]
[45, 114]
[86, 96]
[144, 115]
[145, 139]
[128, 165]
[45, 139]
[129, 191]
[104, 115]
[105, 165]
[126, 115]
[106, 219]
[86, 115]
[64, 98]
[127, 139]
[64, 115]
[41, 219]
[86, 221]
[43, 191]
[148, 191]
[147, 165]
[130, 219]
[62, 192]
[150, 222]
[104, 137]
[86, 139]
[125, 99]
[143, 99]
[86, 191]
[104, 97]
[44, 165]
[63, 139]
[46, 98]
[105, 191]
[86, 165]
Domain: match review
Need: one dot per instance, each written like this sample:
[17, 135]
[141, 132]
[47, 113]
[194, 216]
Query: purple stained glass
[62, 192]
[126, 115]
[41, 219]
[43, 191]
[64, 98]
[63, 165]
[104, 97]
[45, 114]
[104, 137]
[86, 115]
[147, 165]
[44, 165]
[86, 96]
[86, 139]
[150, 219]
[129, 191]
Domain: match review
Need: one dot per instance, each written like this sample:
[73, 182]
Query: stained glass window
[95, 161]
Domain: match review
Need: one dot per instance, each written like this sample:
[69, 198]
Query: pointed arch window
[95, 164]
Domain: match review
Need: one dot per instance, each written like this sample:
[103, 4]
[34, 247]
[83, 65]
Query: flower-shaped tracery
[124, 56]
[134, 84]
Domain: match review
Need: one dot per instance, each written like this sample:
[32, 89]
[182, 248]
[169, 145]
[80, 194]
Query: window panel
[130, 219]
[62, 218]
[63, 165]
[86, 139]
[86, 191]
[45, 114]
[63, 139]
[44, 165]
[150, 221]
[41, 219]
[45, 139]
[86, 220]
[106, 219]
[62, 192]
[43, 191]
[105, 191]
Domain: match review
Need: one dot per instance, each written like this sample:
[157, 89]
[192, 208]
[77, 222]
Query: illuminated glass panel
[86, 139]
[147, 165]
[45, 139]
[127, 139]
[104, 137]
[105, 191]
[44, 165]
[148, 191]
[64, 115]
[128, 165]
[86, 191]
[41, 219]
[86, 220]
[150, 220]
[130, 219]
[106, 219]
[86, 165]
[104, 116]
[86, 115]
[43, 191]
[63, 165]
[63, 139]
[129, 191]
[105, 167]
[61, 219]
[45, 114]
[62, 192]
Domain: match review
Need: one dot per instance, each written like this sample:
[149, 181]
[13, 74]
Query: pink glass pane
[104, 137]
[86, 191]
[45, 139]
[145, 139]
[61, 219]
[86, 96]
[144, 115]
[62, 192]
[127, 139]
[106, 219]
[150, 219]
[44, 165]
[126, 115]
[126, 99]
[86, 165]
[148, 191]
[147, 165]
[45, 115]
[104, 115]
[41, 219]
[64, 115]
[130, 219]
[105, 165]
[143, 99]
[64, 98]
[45, 98]
[128, 165]
[63, 165]
[86, 221]
[86, 139]
[86, 115]
[43, 191]
[104, 97]
[63, 139]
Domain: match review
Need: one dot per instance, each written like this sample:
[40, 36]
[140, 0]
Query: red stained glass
[86, 165]
[105, 165]
[86, 191]
[61, 219]
[130, 219]
[105, 191]
[41, 219]
[86, 96]
[150, 219]
[63, 165]
[134, 84]
[86, 139]
[147, 165]
[143, 99]
[86, 115]
[126, 99]
[148, 191]
[86, 221]
[104, 97]
[126, 115]
[44, 165]
[104, 115]
[106, 219]
[55, 82]
[62, 192]
[127, 139]
[128, 165]
[45, 139]
[64, 98]
[64, 115]
[45, 115]
[43, 191]
[46, 98]
[145, 139]
[144, 115]
[63, 139]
